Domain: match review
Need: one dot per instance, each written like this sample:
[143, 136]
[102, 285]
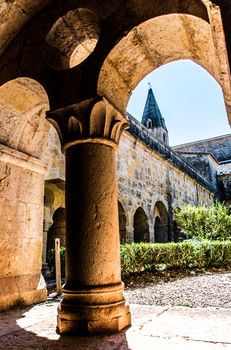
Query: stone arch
[161, 223]
[54, 194]
[122, 223]
[48, 197]
[23, 138]
[23, 103]
[141, 227]
[80, 33]
[57, 229]
[155, 42]
[54, 198]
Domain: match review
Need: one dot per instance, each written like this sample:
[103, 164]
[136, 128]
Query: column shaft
[93, 294]
[92, 240]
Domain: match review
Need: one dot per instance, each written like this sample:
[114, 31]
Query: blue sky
[189, 98]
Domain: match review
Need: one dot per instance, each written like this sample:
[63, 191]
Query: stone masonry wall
[21, 201]
[205, 163]
[145, 176]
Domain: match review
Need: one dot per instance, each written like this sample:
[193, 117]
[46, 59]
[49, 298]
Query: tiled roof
[224, 168]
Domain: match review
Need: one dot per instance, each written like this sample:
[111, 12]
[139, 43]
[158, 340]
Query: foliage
[138, 257]
[205, 223]
[51, 261]
[175, 256]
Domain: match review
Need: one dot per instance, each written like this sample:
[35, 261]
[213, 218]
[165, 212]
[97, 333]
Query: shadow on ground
[34, 328]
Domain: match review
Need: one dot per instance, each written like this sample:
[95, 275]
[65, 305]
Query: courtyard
[166, 315]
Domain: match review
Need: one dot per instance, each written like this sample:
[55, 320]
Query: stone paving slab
[154, 327]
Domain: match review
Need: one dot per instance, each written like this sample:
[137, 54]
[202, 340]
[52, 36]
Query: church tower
[153, 119]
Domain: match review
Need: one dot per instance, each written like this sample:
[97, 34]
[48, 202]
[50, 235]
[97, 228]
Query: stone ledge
[20, 299]
[22, 160]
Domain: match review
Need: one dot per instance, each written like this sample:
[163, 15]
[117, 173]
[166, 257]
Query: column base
[82, 312]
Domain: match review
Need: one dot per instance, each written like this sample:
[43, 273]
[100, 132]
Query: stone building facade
[153, 178]
[220, 148]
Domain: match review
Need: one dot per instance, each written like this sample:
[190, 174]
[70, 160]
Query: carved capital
[90, 121]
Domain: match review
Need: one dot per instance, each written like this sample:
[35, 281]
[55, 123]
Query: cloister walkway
[154, 327]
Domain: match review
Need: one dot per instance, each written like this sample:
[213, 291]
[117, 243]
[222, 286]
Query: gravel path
[208, 290]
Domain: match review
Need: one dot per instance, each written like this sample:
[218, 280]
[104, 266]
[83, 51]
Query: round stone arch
[23, 138]
[155, 42]
[54, 194]
[141, 226]
[161, 223]
[54, 198]
[23, 103]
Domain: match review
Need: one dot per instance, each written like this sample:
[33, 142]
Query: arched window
[164, 137]
[141, 228]
[149, 124]
[161, 223]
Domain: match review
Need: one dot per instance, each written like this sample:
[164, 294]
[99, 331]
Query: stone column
[93, 293]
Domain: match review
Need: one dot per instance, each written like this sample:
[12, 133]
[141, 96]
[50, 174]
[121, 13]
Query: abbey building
[72, 65]
[153, 179]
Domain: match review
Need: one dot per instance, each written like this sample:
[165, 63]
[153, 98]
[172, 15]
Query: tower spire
[152, 115]
[152, 118]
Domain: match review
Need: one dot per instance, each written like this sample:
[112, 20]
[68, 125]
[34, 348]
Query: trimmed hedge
[138, 257]
[190, 254]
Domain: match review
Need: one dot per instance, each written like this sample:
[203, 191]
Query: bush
[205, 223]
[51, 261]
[138, 257]
[174, 256]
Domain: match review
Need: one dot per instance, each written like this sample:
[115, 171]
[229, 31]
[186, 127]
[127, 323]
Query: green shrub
[138, 257]
[205, 223]
[51, 261]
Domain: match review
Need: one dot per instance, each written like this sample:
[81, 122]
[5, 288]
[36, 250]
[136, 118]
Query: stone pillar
[93, 293]
[21, 203]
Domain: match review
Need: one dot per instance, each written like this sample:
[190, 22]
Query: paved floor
[154, 327]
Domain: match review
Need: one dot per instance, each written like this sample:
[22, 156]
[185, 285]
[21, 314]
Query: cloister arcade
[74, 64]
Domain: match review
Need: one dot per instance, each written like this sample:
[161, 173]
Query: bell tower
[153, 120]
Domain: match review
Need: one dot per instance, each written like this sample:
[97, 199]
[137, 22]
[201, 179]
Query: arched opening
[141, 227]
[190, 99]
[23, 103]
[149, 124]
[54, 215]
[80, 33]
[166, 38]
[122, 224]
[164, 137]
[161, 223]
[57, 229]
